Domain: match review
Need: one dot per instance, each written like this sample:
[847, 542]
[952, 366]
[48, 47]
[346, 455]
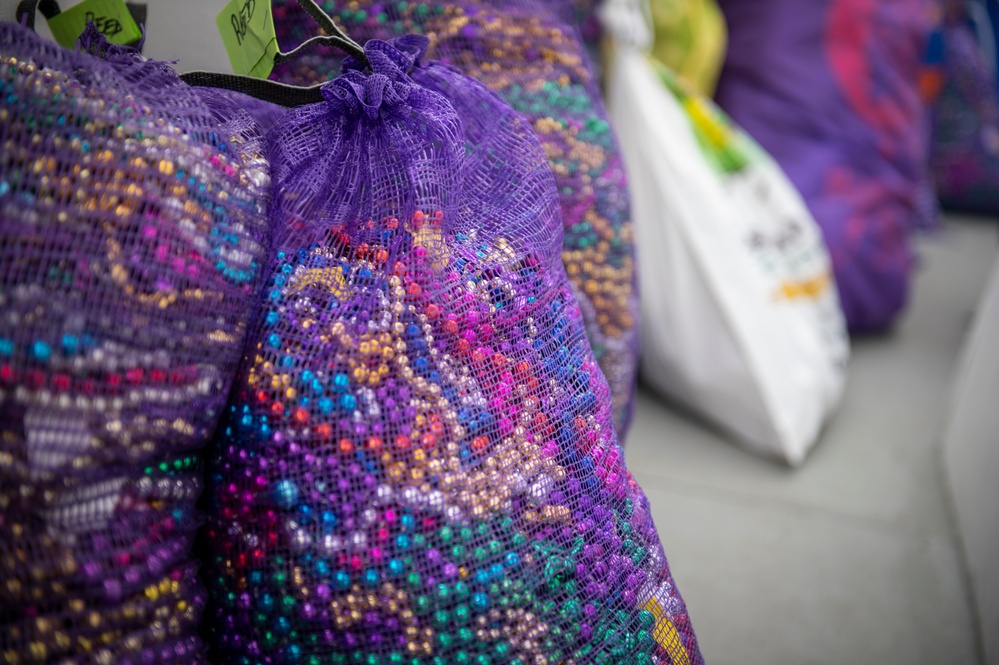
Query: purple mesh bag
[830, 89]
[965, 155]
[420, 465]
[531, 54]
[132, 235]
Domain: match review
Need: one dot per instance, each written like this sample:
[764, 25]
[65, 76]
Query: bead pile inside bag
[419, 464]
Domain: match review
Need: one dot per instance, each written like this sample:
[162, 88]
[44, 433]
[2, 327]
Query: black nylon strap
[26, 10]
[262, 89]
[279, 93]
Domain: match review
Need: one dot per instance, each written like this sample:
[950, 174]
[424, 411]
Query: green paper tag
[111, 17]
[247, 30]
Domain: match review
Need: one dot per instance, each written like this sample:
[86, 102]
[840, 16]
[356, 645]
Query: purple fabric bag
[420, 465]
[132, 236]
[831, 91]
[966, 123]
[529, 52]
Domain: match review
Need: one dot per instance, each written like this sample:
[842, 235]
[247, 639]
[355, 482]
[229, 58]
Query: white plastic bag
[741, 319]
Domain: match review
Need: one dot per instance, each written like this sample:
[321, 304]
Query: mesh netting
[420, 465]
[529, 52]
[132, 233]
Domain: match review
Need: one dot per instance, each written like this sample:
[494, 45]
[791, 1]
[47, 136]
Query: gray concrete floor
[852, 559]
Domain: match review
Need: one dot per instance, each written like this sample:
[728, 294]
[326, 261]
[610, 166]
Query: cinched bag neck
[385, 86]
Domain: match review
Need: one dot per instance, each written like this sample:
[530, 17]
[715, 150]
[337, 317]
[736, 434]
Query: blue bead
[70, 344]
[6, 347]
[41, 350]
[285, 493]
[341, 381]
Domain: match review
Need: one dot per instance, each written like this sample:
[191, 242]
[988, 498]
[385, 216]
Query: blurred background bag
[741, 320]
[830, 89]
[690, 38]
[965, 153]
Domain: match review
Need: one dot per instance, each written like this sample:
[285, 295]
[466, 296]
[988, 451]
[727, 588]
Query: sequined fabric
[132, 235]
[529, 52]
[419, 465]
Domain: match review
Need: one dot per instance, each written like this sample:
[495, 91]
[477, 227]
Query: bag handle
[262, 89]
[281, 93]
[26, 10]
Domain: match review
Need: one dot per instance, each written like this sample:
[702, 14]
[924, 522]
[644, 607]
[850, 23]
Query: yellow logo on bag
[810, 288]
